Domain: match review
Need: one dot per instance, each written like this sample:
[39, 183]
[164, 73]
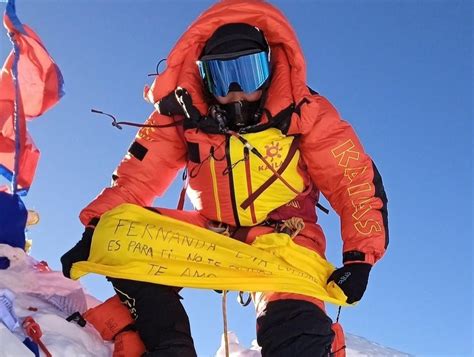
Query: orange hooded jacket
[332, 158]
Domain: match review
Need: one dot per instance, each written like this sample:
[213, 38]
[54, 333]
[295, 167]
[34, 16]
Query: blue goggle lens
[248, 71]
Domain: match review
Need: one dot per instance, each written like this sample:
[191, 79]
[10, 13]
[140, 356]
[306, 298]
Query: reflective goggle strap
[204, 73]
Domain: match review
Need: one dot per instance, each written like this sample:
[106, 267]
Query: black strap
[77, 318]
[240, 298]
[353, 255]
[322, 208]
[281, 121]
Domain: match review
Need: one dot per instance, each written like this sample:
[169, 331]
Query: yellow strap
[132, 242]
[215, 189]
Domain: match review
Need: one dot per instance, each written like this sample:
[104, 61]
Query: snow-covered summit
[29, 289]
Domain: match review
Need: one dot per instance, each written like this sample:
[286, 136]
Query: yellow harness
[258, 189]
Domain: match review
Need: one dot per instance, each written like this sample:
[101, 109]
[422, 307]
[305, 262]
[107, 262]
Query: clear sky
[399, 71]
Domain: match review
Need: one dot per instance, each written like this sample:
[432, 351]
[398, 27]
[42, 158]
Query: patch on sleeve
[193, 152]
[137, 150]
[353, 255]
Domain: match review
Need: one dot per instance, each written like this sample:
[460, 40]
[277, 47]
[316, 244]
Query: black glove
[352, 279]
[79, 252]
[169, 105]
[178, 102]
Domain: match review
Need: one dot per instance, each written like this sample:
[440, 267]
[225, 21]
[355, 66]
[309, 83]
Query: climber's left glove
[80, 251]
[352, 279]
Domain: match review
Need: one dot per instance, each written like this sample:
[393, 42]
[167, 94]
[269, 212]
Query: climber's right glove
[80, 251]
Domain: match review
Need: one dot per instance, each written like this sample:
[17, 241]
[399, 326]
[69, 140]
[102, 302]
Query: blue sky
[399, 71]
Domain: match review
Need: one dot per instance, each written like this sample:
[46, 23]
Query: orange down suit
[332, 160]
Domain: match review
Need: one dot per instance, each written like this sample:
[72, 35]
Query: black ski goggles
[249, 71]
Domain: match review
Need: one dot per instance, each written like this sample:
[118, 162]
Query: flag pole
[16, 104]
[16, 121]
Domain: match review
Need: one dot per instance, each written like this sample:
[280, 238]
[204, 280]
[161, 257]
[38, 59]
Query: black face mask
[241, 114]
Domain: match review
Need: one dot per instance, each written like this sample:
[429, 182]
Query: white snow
[356, 347]
[49, 299]
[360, 347]
[12, 345]
[236, 349]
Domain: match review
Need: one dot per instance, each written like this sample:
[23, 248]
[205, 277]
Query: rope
[340, 349]
[294, 225]
[118, 124]
[157, 68]
[224, 318]
[219, 227]
[33, 331]
[343, 347]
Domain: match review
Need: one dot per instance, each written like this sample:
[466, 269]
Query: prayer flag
[30, 84]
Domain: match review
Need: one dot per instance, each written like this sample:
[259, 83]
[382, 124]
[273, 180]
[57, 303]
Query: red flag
[30, 84]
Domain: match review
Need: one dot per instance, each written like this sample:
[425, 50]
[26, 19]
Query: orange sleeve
[148, 168]
[348, 178]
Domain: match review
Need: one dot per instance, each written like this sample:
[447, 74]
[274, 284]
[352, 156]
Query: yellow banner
[131, 242]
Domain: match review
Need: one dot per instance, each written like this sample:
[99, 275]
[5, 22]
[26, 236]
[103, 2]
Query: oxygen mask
[236, 115]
